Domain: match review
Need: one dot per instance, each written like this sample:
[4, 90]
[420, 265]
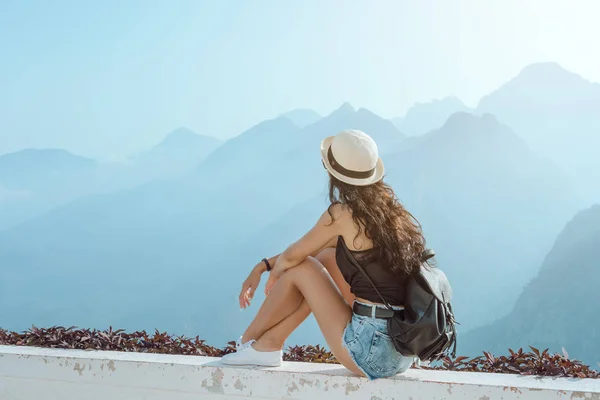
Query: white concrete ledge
[39, 373]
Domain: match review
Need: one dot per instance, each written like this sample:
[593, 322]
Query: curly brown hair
[397, 237]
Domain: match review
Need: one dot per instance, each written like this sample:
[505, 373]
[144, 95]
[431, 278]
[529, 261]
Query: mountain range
[302, 117]
[179, 151]
[557, 113]
[172, 227]
[424, 117]
[28, 168]
[558, 308]
[150, 242]
[36, 181]
[448, 180]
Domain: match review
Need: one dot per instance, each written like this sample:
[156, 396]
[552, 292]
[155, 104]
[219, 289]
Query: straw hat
[352, 157]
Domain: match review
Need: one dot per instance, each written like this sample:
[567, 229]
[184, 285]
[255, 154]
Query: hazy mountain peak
[302, 117]
[180, 150]
[183, 137]
[380, 129]
[544, 69]
[35, 168]
[468, 121]
[267, 137]
[48, 158]
[346, 106]
[268, 127]
[265, 132]
[343, 111]
[539, 86]
[41, 152]
[557, 113]
[552, 76]
[366, 112]
[423, 117]
[466, 132]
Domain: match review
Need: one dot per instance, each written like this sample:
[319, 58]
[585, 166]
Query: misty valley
[507, 194]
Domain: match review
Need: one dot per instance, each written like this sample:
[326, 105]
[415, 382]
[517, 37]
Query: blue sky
[108, 78]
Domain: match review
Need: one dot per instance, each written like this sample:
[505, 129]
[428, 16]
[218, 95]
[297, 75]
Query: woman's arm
[252, 281]
[262, 267]
[323, 234]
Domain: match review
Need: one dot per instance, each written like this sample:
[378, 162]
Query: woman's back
[389, 284]
[353, 246]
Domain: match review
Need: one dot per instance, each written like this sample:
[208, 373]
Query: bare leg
[327, 258]
[311, 281]
[281, 302]
[329, 307]
[275, 337]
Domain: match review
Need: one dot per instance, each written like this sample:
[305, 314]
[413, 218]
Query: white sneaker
[239, 345]
[247, 355]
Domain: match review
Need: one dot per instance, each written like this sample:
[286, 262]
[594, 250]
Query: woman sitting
[365, 223]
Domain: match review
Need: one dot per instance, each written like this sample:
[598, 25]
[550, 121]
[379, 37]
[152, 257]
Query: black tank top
[389, 284]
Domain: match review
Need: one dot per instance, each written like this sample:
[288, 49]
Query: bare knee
[326, 257]
[307, 267]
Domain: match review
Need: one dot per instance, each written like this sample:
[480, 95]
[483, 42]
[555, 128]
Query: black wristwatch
[266, 261]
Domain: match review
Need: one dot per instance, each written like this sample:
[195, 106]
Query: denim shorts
[371, 348]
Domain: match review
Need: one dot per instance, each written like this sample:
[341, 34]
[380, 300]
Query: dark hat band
[346, 172]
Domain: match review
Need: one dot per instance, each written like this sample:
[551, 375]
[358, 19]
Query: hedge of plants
[531, 362]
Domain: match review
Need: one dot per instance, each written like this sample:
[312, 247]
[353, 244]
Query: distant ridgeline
[559, 307]
[151, 241]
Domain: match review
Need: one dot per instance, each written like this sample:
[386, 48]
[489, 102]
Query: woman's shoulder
[339, 212]
[348, 230]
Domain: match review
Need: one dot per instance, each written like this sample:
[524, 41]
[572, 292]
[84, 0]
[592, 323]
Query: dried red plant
[534, 362]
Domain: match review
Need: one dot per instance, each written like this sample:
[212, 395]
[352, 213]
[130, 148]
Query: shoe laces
[241, 346]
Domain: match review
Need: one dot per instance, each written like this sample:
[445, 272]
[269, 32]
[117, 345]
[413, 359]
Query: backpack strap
[361, 269]
[427, 254]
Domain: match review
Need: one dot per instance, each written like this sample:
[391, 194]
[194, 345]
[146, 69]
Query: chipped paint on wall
[60, 374]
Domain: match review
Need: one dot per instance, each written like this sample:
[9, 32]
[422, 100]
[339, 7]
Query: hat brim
[377, 175]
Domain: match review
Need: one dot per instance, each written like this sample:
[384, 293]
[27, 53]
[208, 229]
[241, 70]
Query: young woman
[365, 221]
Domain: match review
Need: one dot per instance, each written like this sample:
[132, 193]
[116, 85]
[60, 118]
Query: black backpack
[426, 328]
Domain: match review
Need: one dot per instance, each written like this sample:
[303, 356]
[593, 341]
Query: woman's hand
[249, 287]
[274, 275]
